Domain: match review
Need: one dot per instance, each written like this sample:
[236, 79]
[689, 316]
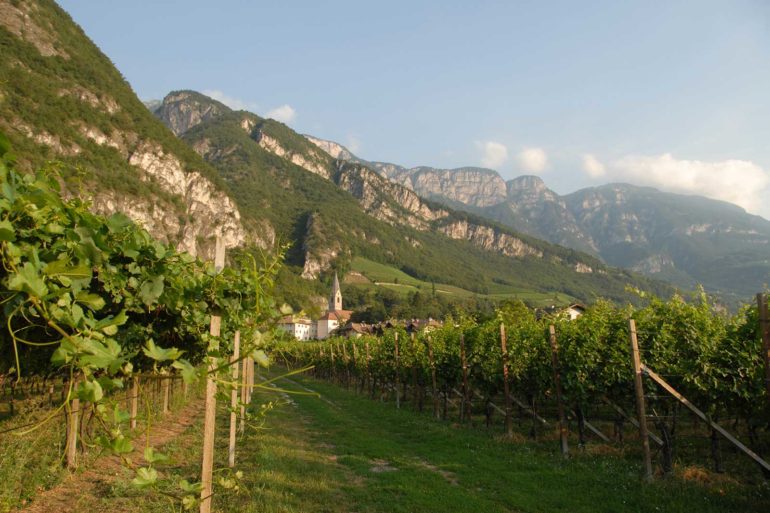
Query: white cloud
[737, 181]
[493, 154]
[285, 113]
[593, 166]
[230, 101]
[532, 160]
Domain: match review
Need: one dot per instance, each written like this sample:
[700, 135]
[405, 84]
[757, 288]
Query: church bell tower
[335, 300]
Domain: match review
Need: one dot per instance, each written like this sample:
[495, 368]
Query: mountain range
[189, 169]
[684, 239]
[335, 209]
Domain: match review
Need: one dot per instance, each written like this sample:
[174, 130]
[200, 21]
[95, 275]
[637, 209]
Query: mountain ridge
[244, 147]
[626, 225]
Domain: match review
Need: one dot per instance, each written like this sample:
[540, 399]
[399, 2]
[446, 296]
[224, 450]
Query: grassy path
[346, 453]
[343, 453]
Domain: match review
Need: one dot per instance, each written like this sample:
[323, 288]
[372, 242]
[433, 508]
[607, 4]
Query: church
[335, 317]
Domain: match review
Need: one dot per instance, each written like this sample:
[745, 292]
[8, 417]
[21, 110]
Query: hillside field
[381, 275]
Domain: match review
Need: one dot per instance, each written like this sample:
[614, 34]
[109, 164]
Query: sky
[671, 94]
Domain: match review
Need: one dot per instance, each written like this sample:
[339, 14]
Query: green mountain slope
[62, 99]
[333, 211]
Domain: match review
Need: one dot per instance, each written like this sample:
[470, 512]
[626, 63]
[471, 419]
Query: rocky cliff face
[195, 213]
[313, 163]
[337, 151]
[183, 110]
[385, 200]
[489, 239]
[468, 185]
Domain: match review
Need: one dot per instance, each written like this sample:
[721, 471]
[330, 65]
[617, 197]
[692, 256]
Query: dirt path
[80, 491]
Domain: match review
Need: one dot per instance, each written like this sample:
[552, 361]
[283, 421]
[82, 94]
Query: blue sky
[672, 94]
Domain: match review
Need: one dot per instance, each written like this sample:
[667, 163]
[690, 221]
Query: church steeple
[335, 300]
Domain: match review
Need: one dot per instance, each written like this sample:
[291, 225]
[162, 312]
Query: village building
[334, 317]
[572, 311]
[301, 328]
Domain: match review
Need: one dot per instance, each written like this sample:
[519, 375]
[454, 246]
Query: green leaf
[90, 391]
[160, 354]
[118, 222]
[93, 301]
[28, 280]
[145, 477]
[151, 290]
[261, 358]
[62, 267]
[151, 457]
[189, 502]
[102, 355]
[122, 445]
[119, 416]
[7, 232]
[188, 487]
[189, 373]
[109, 325]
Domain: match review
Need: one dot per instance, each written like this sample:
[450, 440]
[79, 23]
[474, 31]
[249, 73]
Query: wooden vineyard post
[398, 399]
[209, 422]
[165, 384]
[506, 384]
[563, 435]
[72, 430]
[434, 383]
[134, 401]
[234, 399]
[369, 382]
[639, 391]
[244, 384]
[464, 406]
[249, 374]
[764, 329]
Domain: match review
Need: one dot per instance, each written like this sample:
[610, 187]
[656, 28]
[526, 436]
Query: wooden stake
[252, 375]
[368, 367]
[764, 329]
[209, 422]
[464, 413]
[234, 398]
[682, 399]
[432, 362]
[641, 414]
[244, 383]
[165, 384]
[633, 421]
[134, 401]
[563, 434]
[506, 384]
[72, 431]
[398, 401]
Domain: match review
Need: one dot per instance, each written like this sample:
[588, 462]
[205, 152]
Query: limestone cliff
[385, 200]
[489, 239]
[183, 110]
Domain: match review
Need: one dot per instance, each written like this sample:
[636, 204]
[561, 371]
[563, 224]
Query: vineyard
[108, 331]
[701, 379]
[105, 326]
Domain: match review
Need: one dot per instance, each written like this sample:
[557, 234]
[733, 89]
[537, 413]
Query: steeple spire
[335, 300]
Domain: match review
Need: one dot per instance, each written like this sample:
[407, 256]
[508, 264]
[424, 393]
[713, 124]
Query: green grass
[389, 277]
[342, 452]
[435, 466]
